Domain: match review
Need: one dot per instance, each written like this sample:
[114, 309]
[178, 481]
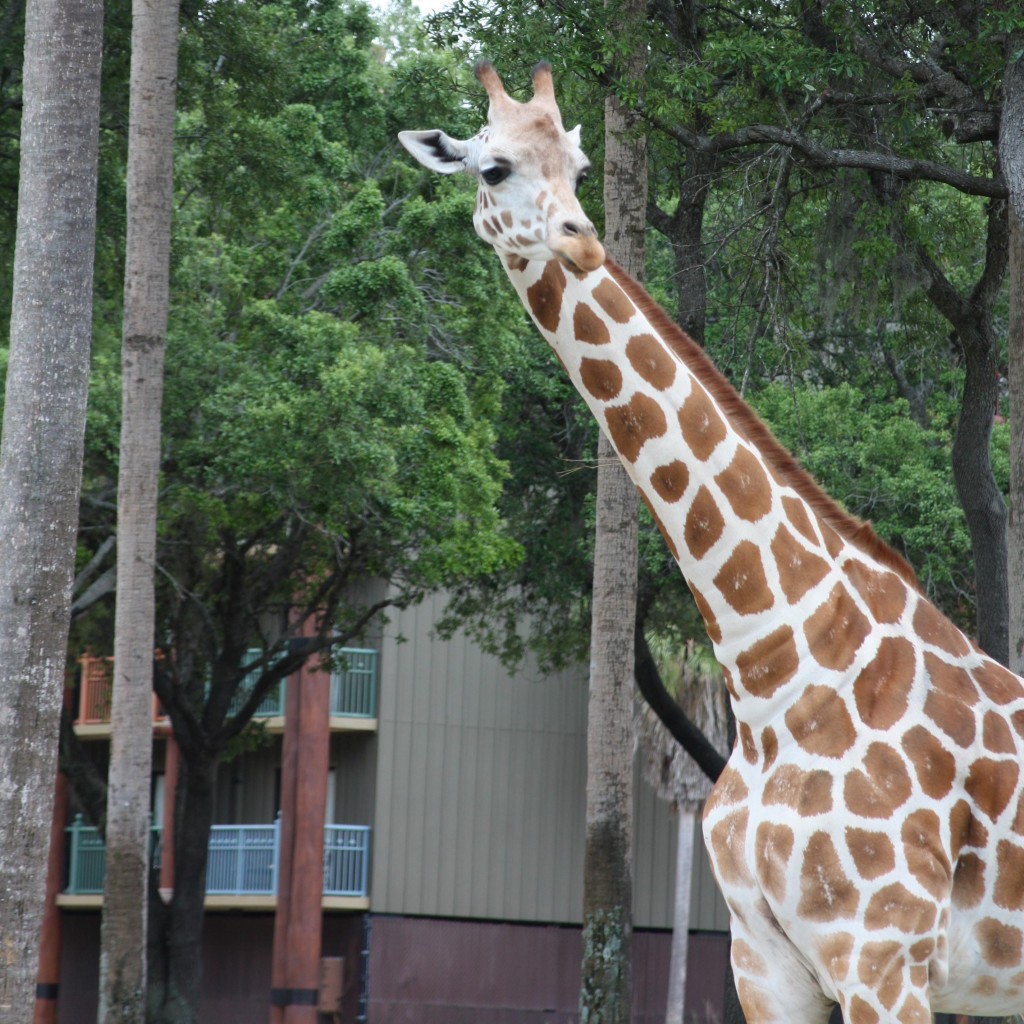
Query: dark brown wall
[422, 971]
[429, 971]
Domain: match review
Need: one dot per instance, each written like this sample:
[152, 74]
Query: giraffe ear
[574, 135]
[437, 151]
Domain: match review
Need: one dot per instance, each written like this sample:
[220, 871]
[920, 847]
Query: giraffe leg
[887, 984]
[773, 982]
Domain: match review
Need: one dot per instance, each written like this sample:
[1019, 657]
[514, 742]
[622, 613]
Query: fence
[242, 859]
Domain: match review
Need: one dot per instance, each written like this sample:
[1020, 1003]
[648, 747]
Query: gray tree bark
[147, 262]
[41, 453]
[1011, 157]
[606, 984]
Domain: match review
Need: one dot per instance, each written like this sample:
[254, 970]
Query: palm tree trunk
[41, 453]
[150, 158]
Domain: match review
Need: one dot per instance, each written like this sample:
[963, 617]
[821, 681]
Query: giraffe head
[528, 167]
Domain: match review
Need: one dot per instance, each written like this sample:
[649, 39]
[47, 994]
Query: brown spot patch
[746, 959]
[799, 569]
[704, 523]
[913, 1011]
[670, 481]
[965, 829]
[895, 905]
[746, 738]
[883, 592]
[758, 1007]
[742, 580]
[884, 786]
[934, 628]
[836, 630]
[701, 424]
[862, 1012]
[826, 894]
[808, 792]
[951, 679]
[545, 296]
[730, 788]
[745, 486]
[1000, 685]
[770, 746]
[996, 735]
[1001, 944]
[728, 839]
[601, 377]
[588, 326]
[1018, 819]
[952, 716]
[926, 857]
[651, 360]
[880, 967]
[834, 544]
[773, 846]
[882, 690]
[991, 784]
[934, 765]
[769, 663]
[834, 951]
[516, 263]
[1017, 718]
[1009, 891]
[710, 622]
[631, 425]
[968, 881]
[872, 852]
[796, 513]
[614, 301]
[820, 723]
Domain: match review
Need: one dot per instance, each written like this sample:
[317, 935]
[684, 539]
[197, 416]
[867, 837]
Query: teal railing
[353, 686]
[242, 859]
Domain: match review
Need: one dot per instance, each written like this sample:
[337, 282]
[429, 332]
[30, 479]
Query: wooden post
[297, 925]
[48, 978]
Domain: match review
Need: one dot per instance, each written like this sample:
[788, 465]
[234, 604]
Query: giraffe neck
[788, 584]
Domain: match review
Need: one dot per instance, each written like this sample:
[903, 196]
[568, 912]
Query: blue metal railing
[242, 859]
[353, 686]
[346, 859]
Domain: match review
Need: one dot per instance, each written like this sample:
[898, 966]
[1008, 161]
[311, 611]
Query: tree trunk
[41, 453]
[976, 487]
[606, 984]
[1011, 158]
[150, 160]
[175, 964]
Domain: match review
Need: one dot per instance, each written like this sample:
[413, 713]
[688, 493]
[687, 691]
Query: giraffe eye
[495, 175]
[580, 178]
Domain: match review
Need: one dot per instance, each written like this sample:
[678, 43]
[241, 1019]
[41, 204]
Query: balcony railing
[242, 859]
[353, 688]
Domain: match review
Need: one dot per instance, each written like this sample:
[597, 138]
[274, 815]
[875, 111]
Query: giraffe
[868, 830]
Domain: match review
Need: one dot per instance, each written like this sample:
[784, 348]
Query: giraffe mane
[785, 465]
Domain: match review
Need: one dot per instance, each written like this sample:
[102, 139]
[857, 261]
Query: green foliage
[880, 465]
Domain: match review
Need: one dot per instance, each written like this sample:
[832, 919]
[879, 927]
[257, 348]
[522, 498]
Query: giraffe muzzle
[578, 247]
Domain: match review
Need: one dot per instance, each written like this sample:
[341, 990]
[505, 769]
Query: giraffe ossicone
[868, 831]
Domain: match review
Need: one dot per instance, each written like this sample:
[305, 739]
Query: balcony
[353, 698]
[241, 870]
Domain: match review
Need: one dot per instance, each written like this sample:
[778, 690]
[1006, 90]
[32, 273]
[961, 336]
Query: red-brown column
[279, 988]
[304, 920]
[48, 978]
[171, 760]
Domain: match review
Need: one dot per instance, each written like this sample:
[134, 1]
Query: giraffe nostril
[571, 228]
